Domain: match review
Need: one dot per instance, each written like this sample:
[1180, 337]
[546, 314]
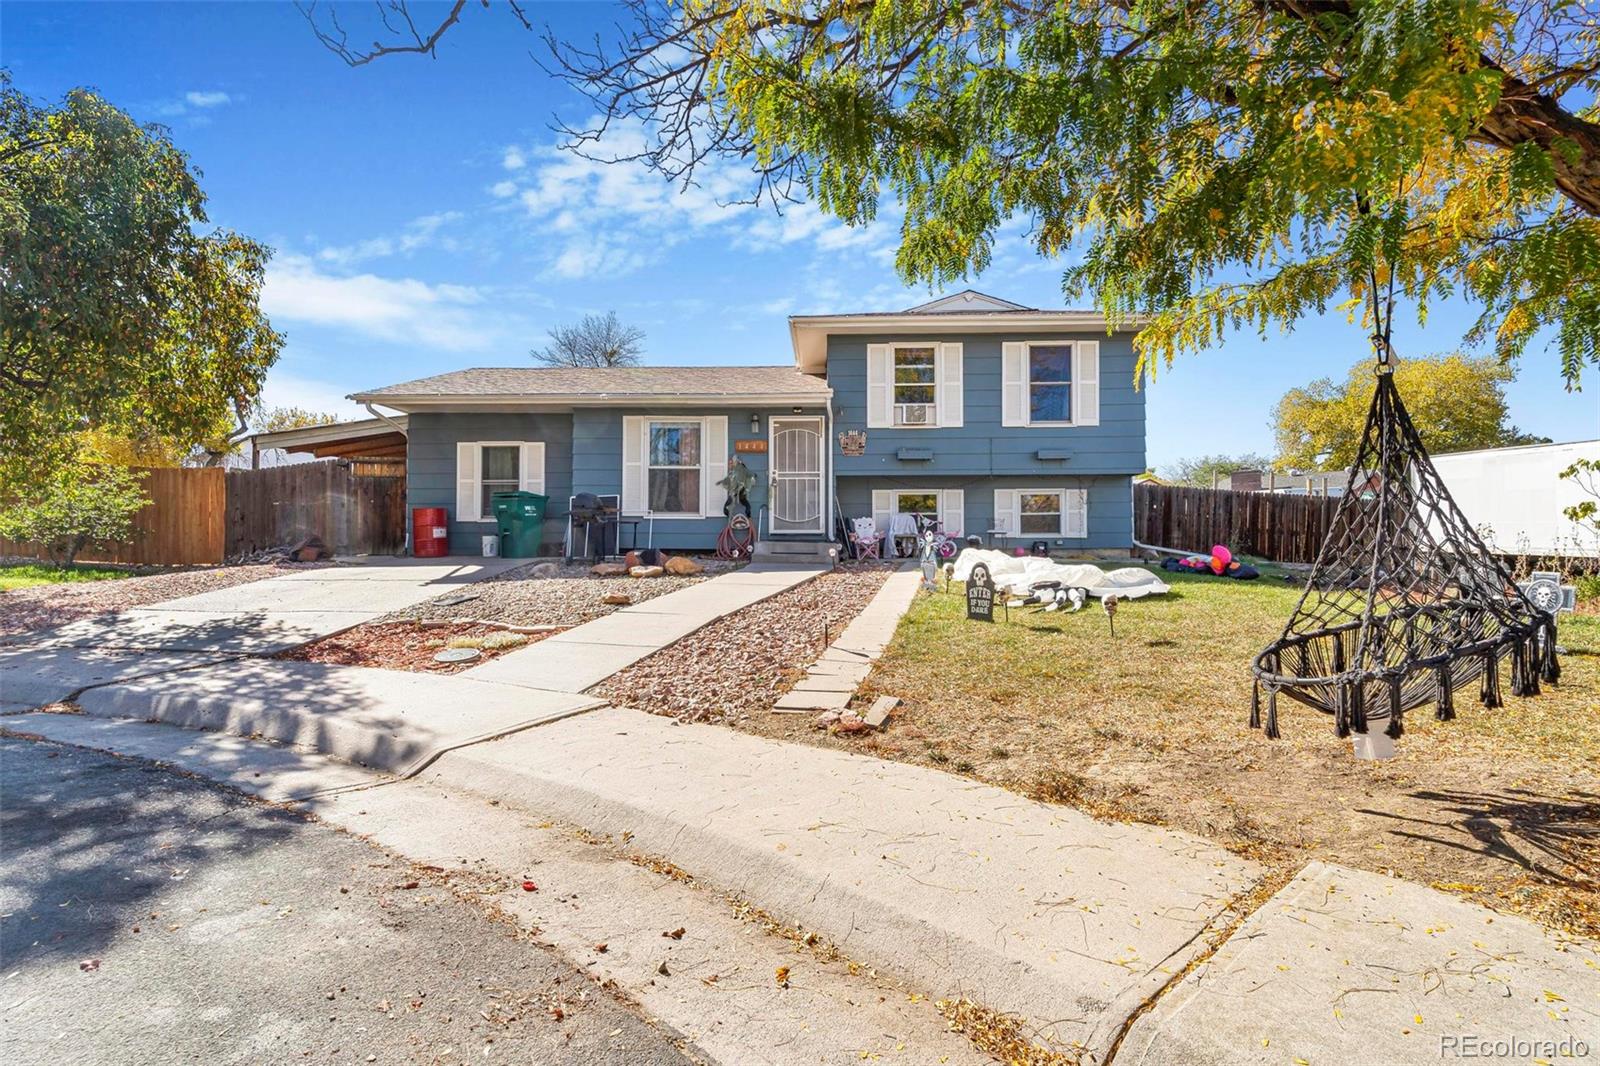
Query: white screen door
[796, 447]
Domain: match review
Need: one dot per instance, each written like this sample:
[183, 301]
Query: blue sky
[424, 220]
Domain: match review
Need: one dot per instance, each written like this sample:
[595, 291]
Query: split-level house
[1008, 422]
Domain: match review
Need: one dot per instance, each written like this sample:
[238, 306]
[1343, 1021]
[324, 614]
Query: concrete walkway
[258, 618]
[961, 887]
[832, 680]
[401, 721]
[1344, 966]
[584, 656]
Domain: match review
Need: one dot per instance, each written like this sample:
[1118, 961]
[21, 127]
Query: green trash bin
[520, 516]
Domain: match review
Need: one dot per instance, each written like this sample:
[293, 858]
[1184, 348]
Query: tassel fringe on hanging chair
[1405, 604]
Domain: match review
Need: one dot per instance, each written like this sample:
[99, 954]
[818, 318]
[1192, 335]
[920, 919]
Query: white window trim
[647, 466]
[1027, 382]
[525, 475]
[894, 404]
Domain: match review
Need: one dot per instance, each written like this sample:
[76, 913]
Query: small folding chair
[864, 538]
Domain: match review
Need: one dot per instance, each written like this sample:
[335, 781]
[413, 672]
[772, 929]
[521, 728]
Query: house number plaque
[853, 442]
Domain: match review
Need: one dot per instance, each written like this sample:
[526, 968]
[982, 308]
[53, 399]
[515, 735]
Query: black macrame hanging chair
[1405, 604]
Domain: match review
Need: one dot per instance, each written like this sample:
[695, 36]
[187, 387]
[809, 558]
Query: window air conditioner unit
[913, 414]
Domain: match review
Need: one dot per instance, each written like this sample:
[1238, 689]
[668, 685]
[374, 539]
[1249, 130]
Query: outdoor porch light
[755, 425]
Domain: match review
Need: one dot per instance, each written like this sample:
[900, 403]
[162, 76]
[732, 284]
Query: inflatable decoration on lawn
[1220, 563]
[1405, 604]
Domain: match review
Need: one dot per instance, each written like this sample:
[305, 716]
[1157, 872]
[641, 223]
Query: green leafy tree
[1202, 470]
[121, 314]
[1585, 473]
[73, 508]
[1229, 164]
[1457, 403]
[278, 419]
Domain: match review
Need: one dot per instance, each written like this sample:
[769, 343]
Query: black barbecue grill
[595, 519]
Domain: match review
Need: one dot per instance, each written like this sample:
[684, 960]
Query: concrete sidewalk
[1345, 966]
[584, 656]
[395, 720]
[387, 719]
[958, 886]
[258, 618]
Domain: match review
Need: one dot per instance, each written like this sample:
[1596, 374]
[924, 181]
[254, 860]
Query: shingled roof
[610, 383]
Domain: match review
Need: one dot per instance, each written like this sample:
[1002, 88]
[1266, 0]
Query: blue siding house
[1009, 422]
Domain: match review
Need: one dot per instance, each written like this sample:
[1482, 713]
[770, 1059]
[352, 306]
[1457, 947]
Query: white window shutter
[1005, 511]
[468, 495]
[948, 374]
[882, 510]
[952, 511]
[880, 396]
[633, 446]
[1076, 516]
[1013, 384]
[1086, 383]
[533, 467]
[715, 464]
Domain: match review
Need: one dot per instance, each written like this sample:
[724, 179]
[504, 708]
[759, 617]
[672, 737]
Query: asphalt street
[148, 917]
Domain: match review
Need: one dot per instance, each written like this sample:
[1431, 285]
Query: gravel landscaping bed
[410, 646]
[46, 606]
[571, 597]
[741, 664]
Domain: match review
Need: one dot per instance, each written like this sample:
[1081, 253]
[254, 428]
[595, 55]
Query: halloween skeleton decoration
[1405, 603]
[930, 562]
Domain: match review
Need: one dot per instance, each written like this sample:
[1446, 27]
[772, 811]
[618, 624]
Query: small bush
[75, 507]
[496, 641]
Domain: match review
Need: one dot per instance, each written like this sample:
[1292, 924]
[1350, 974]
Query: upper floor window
[1049, 383]
[916, 390]
[915, 384]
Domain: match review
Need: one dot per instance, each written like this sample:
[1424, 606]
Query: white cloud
[206, 99]
[610, 218]
[418, 233]
[283, 389]
[390, 309]
[513, 159]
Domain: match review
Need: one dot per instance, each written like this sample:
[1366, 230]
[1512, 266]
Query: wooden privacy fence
[199, 516]
[285, 504]
[1277, 526]
[181, 525]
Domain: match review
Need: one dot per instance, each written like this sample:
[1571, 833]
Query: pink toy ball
[1021, 553]
[1220, 558]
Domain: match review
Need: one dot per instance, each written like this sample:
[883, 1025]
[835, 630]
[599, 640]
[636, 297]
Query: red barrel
[430, 531]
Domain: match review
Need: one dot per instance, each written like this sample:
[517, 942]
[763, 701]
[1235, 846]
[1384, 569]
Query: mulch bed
[28, 610]
[741, 664]
[404, 646]
[573, 596]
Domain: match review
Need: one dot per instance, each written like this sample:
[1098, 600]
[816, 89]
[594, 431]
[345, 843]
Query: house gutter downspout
[375, 413]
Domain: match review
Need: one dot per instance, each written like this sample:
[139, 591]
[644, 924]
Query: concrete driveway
[257, 619]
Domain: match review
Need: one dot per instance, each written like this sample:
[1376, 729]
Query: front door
[796, 451]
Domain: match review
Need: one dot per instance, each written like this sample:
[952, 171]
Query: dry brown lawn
[1151, 725]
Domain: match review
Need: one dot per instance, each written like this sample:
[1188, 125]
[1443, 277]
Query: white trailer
[1514, 497]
